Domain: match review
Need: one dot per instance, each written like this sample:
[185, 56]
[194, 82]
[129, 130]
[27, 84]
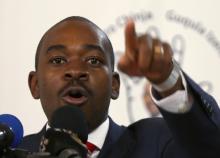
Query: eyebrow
[88, 47]
[56, 47]
[91, 47]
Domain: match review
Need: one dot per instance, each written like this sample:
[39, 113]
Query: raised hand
[145, 56]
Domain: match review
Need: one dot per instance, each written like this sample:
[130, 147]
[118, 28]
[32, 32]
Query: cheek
[102, 81]
[46, 87]
[103, 93]
[49, 87]
[49, 81]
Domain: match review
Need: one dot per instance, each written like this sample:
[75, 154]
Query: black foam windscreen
[70, 118]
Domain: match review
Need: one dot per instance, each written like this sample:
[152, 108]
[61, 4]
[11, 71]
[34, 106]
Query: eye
[58, 60]
[94, 61]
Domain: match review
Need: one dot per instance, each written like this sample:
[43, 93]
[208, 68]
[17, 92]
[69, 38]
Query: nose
[79, 75]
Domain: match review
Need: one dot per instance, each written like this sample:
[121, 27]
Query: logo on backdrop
[178, 43]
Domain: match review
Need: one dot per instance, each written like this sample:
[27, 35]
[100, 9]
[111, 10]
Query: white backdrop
[192, 28]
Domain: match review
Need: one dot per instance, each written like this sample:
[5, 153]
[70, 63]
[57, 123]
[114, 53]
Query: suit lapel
[118, 142]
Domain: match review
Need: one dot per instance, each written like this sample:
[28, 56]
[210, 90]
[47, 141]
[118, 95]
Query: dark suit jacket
[195, 134]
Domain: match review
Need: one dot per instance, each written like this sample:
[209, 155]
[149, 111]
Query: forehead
[74, 34]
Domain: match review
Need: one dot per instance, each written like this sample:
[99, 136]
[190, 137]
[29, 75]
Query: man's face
[74, 68]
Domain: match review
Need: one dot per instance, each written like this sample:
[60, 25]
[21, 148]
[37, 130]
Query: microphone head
[70, 118]
[14, 126]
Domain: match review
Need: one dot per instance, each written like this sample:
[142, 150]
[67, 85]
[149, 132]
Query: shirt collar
[97, 136]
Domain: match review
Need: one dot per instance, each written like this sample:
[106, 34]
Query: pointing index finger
[130, 39]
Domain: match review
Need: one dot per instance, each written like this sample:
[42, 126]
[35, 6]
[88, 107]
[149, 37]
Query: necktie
[91, 147]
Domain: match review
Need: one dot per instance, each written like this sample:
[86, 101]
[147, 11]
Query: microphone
[11, 131]
[68, 134]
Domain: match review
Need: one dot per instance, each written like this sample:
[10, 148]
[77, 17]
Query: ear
[115, 85]
[33, 84]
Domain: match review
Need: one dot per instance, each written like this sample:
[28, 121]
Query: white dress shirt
[178, 102]
[97, 137]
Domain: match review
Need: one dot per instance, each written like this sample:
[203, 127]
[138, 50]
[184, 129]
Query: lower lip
[75, 101]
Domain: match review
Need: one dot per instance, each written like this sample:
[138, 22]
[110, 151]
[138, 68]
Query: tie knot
[91, 147]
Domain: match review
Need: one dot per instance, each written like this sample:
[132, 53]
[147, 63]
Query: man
[75, 65]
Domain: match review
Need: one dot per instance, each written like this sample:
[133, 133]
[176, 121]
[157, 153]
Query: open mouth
[75, 96]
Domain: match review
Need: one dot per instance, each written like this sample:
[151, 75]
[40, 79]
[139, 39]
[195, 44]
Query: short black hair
[107, 42]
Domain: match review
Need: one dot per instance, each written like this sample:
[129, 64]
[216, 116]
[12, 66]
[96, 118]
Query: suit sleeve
[198, 130]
